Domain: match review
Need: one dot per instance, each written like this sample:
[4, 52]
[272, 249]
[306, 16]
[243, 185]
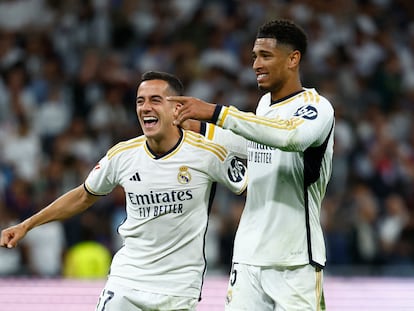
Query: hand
[12, 235]
[192, 108]
[191, 125]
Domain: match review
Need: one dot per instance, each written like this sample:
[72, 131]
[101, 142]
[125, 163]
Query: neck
[160, 146]
[290, 87]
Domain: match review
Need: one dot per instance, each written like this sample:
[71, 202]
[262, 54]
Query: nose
[256, 63]
[145, 105]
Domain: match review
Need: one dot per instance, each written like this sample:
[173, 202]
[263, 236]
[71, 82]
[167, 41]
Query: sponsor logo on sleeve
[236, 170]
[307, 112]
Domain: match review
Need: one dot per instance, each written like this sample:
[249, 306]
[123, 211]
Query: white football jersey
[289, 153]
[167, 204]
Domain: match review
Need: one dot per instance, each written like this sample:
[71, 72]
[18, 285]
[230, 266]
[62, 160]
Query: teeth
[150, 119]
[261, 75]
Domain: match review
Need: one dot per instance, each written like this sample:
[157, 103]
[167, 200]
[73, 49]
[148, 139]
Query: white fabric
[275, 228]
[167, 201]
[116, 297]
[275, 289]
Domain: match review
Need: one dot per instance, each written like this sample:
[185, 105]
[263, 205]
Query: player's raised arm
[69, 204]
[192, 108]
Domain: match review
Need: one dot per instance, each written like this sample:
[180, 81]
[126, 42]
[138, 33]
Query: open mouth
[150, 122]
[261, 77]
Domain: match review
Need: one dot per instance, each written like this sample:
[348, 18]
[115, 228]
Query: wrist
[26, 225]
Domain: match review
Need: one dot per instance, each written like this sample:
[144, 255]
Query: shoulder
[205, 146]
[310, 100]
[312, 97]
[124, 146]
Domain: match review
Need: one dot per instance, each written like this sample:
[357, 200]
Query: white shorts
[115, 298]
[296, 288]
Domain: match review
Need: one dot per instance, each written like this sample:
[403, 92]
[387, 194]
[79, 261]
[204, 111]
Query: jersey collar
[274, 102]
[160, 156]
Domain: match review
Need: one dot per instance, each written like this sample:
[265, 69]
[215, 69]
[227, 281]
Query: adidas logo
[135, 177]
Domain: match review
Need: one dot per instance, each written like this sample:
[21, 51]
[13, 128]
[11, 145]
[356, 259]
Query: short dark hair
[285, 32]
[174, 83]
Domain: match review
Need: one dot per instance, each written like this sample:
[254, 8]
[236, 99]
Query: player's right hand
[12, 235]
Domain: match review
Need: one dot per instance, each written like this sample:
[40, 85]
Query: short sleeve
[101, 180]
[232, 172]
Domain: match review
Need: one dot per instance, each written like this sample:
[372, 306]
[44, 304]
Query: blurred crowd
[68, 77]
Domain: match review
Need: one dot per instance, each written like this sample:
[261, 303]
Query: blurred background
[68, 77]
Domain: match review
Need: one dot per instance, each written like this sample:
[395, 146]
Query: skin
[66, 206]
[277, 71]
[162, 136]
[151, 102]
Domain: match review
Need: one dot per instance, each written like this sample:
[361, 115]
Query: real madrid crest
[184, 176]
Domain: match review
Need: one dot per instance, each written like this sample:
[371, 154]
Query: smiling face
[275, 65]
[155, 113]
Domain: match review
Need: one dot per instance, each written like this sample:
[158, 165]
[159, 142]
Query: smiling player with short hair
[279, 250]
[169, 177]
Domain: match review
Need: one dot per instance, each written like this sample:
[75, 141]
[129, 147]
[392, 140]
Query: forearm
[231, 141]
[66, 206]
[294, 134]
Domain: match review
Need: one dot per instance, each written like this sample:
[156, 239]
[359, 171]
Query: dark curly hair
[285, 32]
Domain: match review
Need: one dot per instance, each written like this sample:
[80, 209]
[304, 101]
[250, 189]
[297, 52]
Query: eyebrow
[152, 97]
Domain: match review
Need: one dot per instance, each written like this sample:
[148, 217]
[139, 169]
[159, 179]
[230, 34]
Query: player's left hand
[191, 125]
[192, 108]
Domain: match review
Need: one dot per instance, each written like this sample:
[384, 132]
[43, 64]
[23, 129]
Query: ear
[294, 59]
[177, 105]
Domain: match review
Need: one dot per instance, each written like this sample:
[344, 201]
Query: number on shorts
[233, 276]
[108, 295]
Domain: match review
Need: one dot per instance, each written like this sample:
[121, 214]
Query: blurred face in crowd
[155, 113]
[274, 64]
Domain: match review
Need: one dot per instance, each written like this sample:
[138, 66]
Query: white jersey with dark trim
[231, 141]
[167, 205]
[289, 153]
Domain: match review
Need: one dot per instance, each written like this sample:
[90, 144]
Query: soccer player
[168, 176]
[279, 250]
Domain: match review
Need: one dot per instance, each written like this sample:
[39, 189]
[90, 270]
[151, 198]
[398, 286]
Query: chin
[262, 87]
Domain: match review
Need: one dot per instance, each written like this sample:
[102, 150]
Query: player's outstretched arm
[67, 205]
[192, 108]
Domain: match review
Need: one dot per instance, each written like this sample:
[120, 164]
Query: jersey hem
[280, 264]
[196, 294]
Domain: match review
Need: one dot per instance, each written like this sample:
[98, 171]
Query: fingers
[8, 239]
[192, 108]
[180, 118]
[179, 114]
[180, 99]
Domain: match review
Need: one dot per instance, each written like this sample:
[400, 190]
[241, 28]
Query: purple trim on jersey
[216, 113]
[312, 166]
[94, 194]
[203, 128]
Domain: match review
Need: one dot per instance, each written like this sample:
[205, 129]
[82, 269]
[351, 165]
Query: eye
[156, 99]
[267, 55]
